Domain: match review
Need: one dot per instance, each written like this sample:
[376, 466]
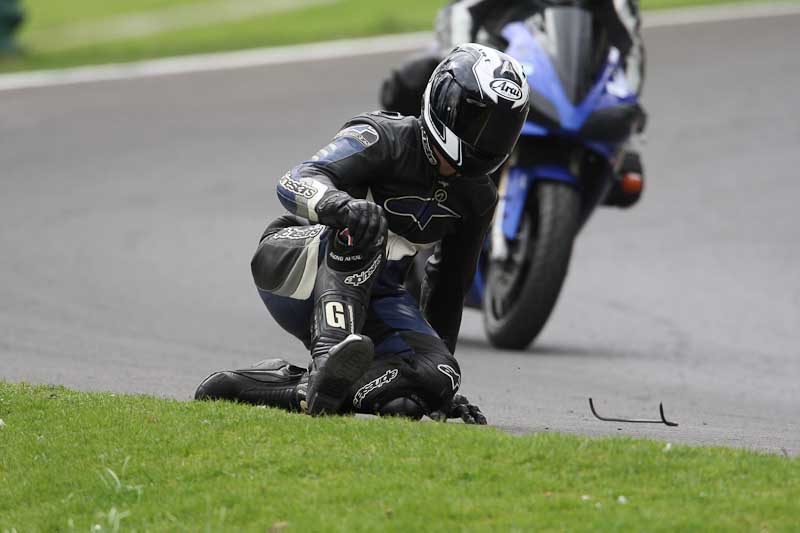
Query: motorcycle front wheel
[522, 291]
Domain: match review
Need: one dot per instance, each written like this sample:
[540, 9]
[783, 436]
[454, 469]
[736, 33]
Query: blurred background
[59, 33]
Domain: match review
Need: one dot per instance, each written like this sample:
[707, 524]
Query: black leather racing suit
[320, 292]
[392, 167]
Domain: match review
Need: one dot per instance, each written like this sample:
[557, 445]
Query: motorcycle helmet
[474, 107]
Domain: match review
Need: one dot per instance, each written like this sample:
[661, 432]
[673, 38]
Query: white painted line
[216, 61]
[342, 49]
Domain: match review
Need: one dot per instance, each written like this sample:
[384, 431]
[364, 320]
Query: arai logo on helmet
[507, 89]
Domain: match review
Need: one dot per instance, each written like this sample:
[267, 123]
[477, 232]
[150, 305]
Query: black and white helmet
[474, 107]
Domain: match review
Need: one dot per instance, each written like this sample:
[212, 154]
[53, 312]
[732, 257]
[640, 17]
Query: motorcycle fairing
[601, 119]
[550, 104]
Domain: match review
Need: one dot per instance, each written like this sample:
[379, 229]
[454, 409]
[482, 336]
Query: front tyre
[521, 291]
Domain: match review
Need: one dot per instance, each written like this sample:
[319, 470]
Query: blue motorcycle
[582, 112]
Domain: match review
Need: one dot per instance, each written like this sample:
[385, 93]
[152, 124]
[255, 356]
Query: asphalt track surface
[129, 212]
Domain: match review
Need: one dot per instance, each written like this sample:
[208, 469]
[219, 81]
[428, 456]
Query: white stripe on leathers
[309, 277]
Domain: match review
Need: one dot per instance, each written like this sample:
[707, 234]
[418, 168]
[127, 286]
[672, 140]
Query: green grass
[73, 460]
[346, 18]
[48, 37]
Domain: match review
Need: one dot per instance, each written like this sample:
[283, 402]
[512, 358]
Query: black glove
[459, 407]
[363, 219]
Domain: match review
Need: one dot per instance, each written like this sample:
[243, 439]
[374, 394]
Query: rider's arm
[623, 21]
[320, 187]
[449, 273]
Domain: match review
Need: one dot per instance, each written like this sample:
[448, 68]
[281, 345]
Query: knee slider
[403, 406]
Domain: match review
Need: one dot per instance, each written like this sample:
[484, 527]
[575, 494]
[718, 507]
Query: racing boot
[628, 182]
[340, 355]
[272, 382]
[333, 374]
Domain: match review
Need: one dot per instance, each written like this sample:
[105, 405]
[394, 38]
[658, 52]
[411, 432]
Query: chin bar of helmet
[635, 420]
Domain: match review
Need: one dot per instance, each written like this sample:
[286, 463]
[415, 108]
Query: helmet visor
[475, 163]
[489, 129]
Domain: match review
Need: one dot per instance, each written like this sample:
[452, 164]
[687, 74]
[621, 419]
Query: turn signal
[632, 183]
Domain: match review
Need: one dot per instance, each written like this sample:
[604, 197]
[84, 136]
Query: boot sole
[336, 378]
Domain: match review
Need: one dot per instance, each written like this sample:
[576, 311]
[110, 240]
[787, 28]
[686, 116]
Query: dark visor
[490, 130]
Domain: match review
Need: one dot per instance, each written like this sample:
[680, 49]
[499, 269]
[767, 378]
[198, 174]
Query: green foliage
[76, 460]
[53, 20]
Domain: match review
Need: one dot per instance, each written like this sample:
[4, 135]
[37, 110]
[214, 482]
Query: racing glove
[363, 219]
[459, 407]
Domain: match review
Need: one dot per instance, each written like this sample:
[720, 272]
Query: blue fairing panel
[609, 90]
[514, 198]
[518, 185]
[606, 149]
[531, 128]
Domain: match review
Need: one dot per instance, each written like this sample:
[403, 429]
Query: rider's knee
[265, 273]
[439, 377]
[282, 255]
[404, 406]
[409, 386]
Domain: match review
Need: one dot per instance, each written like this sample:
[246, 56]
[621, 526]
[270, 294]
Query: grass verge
[75, 460]
[61, 34]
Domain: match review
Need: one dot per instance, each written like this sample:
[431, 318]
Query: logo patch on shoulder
[363, 133]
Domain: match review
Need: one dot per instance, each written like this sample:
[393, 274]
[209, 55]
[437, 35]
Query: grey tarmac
[129, 212]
